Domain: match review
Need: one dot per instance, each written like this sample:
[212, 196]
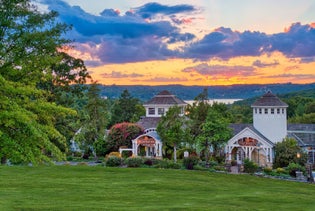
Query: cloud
[117, 74]
[307, 59]
[225, 43]
[297, 41]
[295, 76]
[205, 69]
[118, 38]
[167, 79]
[261, 64]
[149, 10]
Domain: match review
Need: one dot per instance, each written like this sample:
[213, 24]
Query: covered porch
[147, 145]
[248, 145]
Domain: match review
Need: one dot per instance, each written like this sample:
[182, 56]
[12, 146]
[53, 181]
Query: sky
[191, 42]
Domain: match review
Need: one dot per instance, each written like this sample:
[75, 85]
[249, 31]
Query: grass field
[100, 188]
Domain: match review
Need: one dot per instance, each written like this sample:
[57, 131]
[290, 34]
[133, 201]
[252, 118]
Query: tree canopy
[122, 134]
[126, 109]
[32, 66]
[172, 128]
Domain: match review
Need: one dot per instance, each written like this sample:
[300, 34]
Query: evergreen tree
[94, 126]
[126, 109]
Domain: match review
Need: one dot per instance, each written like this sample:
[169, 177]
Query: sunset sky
[192, 42]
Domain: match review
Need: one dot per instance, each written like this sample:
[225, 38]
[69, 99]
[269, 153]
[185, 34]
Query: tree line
[44, 102]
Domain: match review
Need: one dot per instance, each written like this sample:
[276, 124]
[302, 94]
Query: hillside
[309, 93]
[215, 92]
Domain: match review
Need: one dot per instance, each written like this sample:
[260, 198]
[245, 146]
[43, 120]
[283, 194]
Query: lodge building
[150, 144]
[253, 141]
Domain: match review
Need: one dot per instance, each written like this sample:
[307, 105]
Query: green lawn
[100, 188]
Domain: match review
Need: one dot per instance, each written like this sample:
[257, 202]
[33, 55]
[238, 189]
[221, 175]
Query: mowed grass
[100, 188]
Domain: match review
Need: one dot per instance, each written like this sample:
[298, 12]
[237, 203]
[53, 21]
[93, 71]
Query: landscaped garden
[83, 187]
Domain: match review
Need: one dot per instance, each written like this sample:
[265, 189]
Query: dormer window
[161, 111]
[151, 111]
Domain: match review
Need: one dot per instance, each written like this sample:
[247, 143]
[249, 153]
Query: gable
[250, 133]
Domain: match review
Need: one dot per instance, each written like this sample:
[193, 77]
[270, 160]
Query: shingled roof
[165, 98]
[149, 122]
[269, 99]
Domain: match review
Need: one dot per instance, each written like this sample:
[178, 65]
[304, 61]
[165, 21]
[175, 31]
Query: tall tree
[30, 49]
[126, 109]
[197, 113]
[93, 127]
[215, 132]
[172, 128]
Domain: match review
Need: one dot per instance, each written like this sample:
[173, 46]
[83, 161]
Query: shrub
[267, 170]
[293, 167]
[150, 161]
[115, 154]
[166, 164]
[113, 161]
[190, 162]
[173, 165]
[220, 168]
[280, 170]
[134, 162]
[69, 158]
[250, 166]
[200, 168]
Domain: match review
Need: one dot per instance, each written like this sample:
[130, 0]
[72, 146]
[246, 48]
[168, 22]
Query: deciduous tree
[31, 57]
[172, 128]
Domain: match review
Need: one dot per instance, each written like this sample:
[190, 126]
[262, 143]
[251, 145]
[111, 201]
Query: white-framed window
[278, 110]
[151, 111]
[272, 111]
[266, 110]
[161, 111]
[260, 111]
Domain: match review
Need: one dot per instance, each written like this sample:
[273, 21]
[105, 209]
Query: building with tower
[256, 141]
[149, 144]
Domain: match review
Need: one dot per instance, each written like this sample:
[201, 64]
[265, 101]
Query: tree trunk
[175, 153]
[3, 160]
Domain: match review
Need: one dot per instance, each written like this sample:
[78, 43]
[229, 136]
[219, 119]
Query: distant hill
[145, 93]
[309, 93]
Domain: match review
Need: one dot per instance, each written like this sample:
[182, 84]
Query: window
[272, 111]
[161, 111]
[266, 110]
[255, 110]
[283, 111]
[260, 111]
[278, 110]
[151, 111]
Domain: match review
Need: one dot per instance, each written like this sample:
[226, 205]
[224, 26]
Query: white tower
[270, 117]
